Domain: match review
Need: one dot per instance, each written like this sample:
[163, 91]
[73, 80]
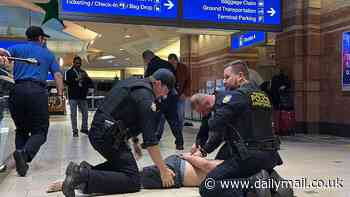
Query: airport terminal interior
[308, 45]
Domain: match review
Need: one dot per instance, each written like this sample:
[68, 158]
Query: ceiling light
[127, 36]
[121, 49]
[107, 57]
[127, 59]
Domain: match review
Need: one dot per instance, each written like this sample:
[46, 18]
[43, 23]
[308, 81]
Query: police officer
[28, 100]
[242, 117]
[129, 109]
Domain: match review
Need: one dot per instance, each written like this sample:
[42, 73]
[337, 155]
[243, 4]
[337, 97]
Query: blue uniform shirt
[46, 58]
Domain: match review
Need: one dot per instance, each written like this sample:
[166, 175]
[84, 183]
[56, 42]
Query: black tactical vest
[120, 104]
[255, 123]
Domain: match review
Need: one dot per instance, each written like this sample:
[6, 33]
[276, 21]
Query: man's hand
[167, 176]
[194, 148]
[198, 153]
[137, 151]
[4, 60]
[186, 156]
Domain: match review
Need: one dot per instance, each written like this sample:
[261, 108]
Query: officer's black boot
[75, 134]
[84, 165]
[21, 162]
[285, 189]
[74, 178]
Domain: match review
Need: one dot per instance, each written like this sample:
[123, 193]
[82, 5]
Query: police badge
[154, 107]
[226, 99]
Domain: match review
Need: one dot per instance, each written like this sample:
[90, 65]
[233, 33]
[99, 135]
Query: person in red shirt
[183, 82]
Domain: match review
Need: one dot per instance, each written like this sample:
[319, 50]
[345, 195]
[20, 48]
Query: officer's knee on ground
[134, 184]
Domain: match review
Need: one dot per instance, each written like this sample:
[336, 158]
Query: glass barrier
[6, 124]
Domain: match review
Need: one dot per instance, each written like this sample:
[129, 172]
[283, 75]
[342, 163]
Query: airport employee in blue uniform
[28, 101]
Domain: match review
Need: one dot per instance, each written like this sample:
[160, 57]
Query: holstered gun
[119, 132]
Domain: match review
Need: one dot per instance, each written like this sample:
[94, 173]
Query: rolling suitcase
[286, 123]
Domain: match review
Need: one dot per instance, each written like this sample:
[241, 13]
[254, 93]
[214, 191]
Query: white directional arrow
[272, 12]
[170, 4]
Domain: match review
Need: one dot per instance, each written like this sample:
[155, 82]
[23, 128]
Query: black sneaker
[72, 180]
[75, 134]
[21, 164]
[85, 131]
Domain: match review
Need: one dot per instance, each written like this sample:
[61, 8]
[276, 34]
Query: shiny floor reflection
[312, 157]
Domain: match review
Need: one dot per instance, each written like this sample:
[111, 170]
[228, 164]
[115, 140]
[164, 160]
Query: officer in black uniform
[129, 109]
[241, 117]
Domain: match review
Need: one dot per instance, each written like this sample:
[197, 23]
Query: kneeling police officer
[129, 109]
[241, 117]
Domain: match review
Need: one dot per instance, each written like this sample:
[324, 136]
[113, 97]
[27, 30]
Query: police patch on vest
[226, 99]
[260, 100]
[154, 107]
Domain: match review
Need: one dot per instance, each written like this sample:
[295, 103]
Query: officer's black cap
[35, 31]
[165, 76]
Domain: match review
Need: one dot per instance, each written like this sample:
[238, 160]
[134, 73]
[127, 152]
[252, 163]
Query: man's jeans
[169, 112]
[181, 111]
[83, 107]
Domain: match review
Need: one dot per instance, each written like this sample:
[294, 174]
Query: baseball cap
[165, 76]
[35, 31]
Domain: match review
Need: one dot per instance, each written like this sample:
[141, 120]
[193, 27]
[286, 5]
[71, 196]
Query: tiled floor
[314, 157]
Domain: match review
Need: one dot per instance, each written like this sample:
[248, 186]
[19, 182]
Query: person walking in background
[279, 82]
[183, 82]
[78, 83]
[28, 102]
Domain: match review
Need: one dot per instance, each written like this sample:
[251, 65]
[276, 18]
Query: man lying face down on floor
[190, 171]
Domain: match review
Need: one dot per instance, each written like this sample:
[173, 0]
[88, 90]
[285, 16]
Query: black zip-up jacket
[158, 63]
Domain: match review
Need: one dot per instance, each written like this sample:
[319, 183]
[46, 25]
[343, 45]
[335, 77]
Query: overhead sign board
[160, 9]
[256, 12]
[223, 14]
[247, 39]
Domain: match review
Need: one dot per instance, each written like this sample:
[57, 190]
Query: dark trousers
[119, 173]
[233, 169]
[28, 105]
[169, 112]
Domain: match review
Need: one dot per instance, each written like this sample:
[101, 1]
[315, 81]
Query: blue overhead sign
[162, 9]
[262, 15]
[254, 12]
[247, 39]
